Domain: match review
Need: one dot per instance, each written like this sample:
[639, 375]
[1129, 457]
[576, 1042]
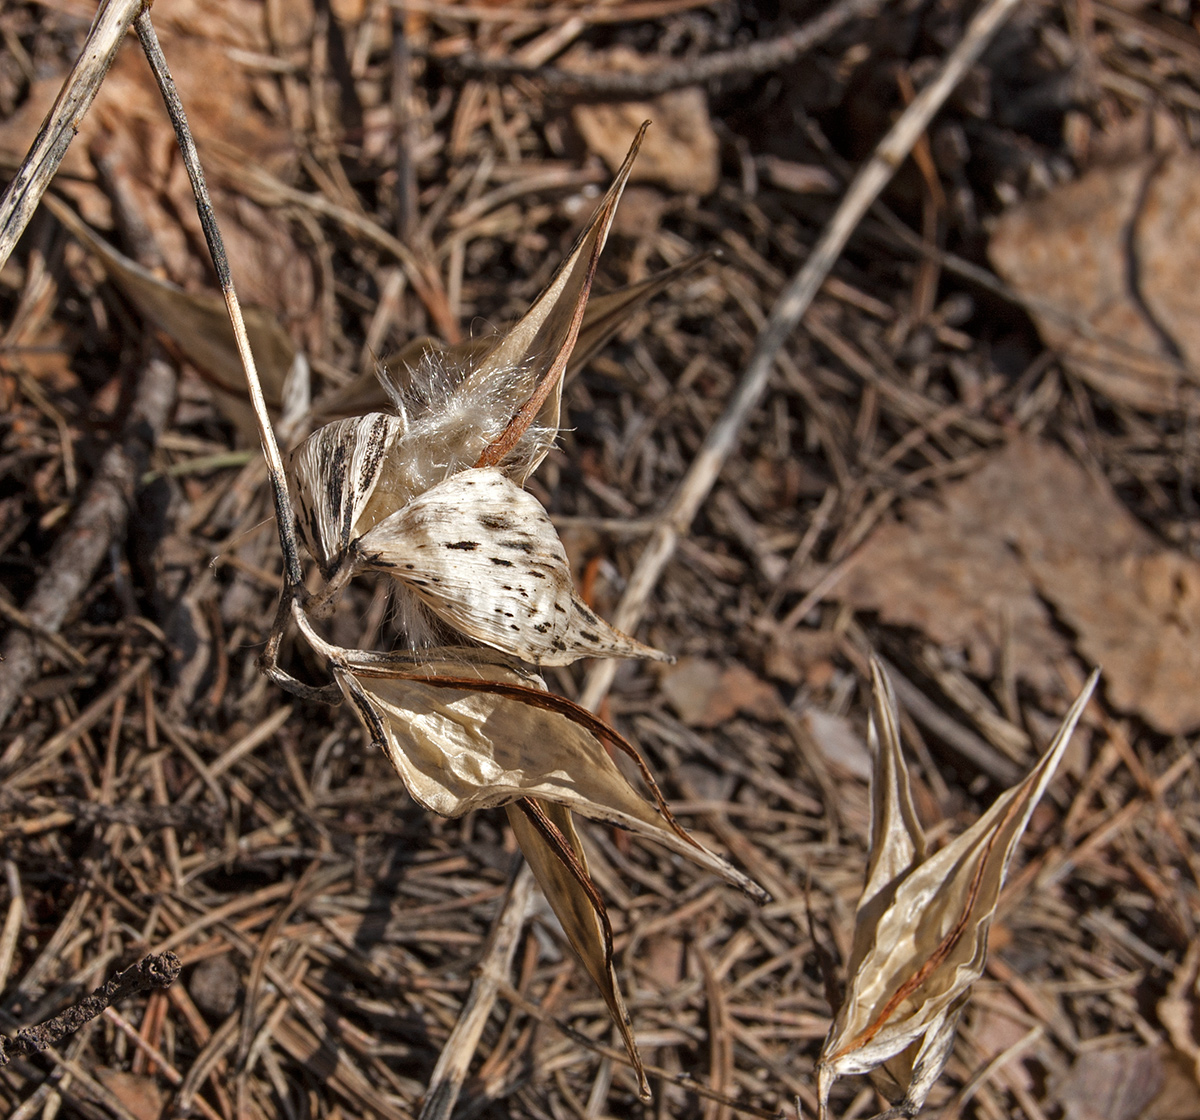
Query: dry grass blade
[920, 938]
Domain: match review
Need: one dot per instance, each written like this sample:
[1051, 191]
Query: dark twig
[99, 519]
[666, 75]
[158, 971]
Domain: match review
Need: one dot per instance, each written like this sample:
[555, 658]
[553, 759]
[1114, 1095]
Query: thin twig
[494, 967]
[665, 75]
[158, 971]
[62, 122]
[785, 316]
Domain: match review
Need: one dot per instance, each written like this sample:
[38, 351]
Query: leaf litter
[366, 973]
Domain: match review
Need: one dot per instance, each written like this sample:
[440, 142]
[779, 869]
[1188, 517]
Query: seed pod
[482, 554]
[465, 737]
[547, 838]
[921, 929]
[333, 475]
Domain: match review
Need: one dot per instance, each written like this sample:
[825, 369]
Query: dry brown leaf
[705, 694]
[128, 131]
[949, 568]
[198, 322]
[1138, 615]
[682, 152]
[1111, 1083]
[921, 929]
[1117, 249]
[976, 567]
[140, 1095]
[556, 856]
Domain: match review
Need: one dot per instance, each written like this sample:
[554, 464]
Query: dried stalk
[62, 122]
[149, 974]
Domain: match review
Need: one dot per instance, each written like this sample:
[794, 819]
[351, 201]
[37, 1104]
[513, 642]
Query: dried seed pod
[920, 938]
[475, 736]
[482, 554]
[333, 475]
[546, 835]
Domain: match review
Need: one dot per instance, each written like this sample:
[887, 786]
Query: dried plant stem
[158, 971]
[785, 316]
[62, 122]
[208, 220]
[494, 967]
[668, 74]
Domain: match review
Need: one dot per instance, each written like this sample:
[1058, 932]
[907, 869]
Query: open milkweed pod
[603, 316]
[467, 735]
[333, 474]
[501, 408]
[489, 402]
[532, 357]
[482, 554]
[552, 848]
[921, 929]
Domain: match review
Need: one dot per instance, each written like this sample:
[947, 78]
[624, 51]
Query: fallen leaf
[948, 567]
[1031, 538]
[682, 152]
[128, 133]
[140, 1095]
[1111, 1083]
[839, 742]
[706, 695]
[1138, 615]
[1116, 249]
[198, 322]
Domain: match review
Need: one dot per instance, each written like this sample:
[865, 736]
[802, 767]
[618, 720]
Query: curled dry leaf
[476, 736]
[921, 928]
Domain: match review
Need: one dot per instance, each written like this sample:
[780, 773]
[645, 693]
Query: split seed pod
[493, 405]
[921, 928]
[552, 848]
